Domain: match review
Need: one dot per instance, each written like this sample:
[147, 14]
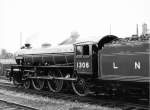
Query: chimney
[144, 29]
[27, 45]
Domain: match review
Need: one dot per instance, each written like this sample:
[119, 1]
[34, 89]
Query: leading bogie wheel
[27, 83]
[15, 82]
[55, 85]
[79, 86]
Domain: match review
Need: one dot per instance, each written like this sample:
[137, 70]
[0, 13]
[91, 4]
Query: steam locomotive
[110, 65]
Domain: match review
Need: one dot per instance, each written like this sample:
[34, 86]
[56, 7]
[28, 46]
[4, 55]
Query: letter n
[137, 65]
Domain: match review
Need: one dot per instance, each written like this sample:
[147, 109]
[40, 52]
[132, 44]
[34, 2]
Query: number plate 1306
[83, 65]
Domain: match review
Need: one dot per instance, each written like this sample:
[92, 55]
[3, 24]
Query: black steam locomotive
[111, 65]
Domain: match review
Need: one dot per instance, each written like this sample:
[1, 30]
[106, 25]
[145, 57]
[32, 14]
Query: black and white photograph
[74, 54]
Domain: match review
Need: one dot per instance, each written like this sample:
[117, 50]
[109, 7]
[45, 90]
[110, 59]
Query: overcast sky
[53, 21]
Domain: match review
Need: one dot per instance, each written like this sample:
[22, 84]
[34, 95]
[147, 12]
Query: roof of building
[7, 61]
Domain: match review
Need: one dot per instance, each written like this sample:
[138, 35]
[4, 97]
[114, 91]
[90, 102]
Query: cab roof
[86, 43]
[88, 40]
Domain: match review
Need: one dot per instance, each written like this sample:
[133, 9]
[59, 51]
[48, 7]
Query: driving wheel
[79, 86]
[54, 84]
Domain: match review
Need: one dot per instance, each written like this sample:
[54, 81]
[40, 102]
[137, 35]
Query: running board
[50, 77]
[32, 71]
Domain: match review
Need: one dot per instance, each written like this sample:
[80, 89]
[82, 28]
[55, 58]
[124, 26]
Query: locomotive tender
[110, 65]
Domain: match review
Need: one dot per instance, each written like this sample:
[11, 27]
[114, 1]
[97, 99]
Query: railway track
[102, 100]
[4, 105]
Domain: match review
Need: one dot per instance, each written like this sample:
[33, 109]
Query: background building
[5, 64]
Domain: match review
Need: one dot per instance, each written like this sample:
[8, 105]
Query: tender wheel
[27, 84]
[55, 85]
[79, 86]
[38, 84]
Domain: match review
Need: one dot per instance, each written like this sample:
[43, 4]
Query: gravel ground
[46, 103]
[11, 106]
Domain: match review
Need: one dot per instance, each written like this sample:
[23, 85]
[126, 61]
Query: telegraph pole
[137, 30]
[20, 39]
[110, 29]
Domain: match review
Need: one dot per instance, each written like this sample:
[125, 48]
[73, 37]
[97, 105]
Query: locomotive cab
[86, 65]
[86, 58]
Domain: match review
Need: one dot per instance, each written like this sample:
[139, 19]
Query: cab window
[79, 50]
[82, 50]
[86, 50]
